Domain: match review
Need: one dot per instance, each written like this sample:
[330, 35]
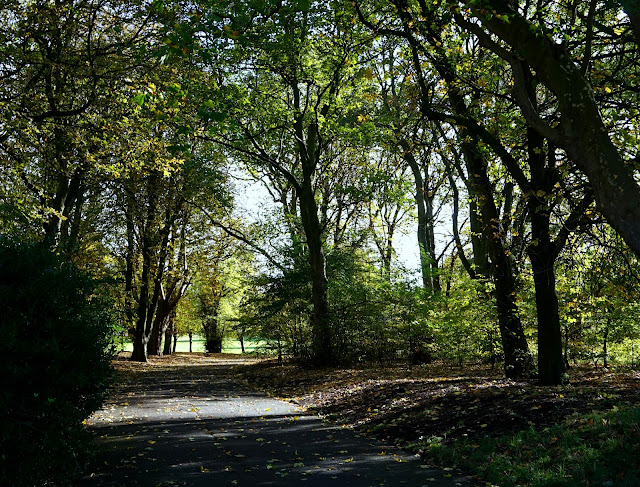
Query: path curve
[186, 423]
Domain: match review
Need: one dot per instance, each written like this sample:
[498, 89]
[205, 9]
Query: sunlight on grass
[230, 345]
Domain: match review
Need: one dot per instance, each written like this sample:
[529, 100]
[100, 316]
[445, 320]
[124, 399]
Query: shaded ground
[189, 420]
[403, 405]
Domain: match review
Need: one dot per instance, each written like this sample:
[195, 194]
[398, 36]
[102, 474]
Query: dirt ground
[403, 404]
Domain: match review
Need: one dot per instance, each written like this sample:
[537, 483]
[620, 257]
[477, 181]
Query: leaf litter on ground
[404, 404]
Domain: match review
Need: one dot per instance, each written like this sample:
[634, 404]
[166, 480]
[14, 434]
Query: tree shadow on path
[197, 425]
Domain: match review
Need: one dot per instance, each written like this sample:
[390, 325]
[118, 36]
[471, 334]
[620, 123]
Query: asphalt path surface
[198, 425]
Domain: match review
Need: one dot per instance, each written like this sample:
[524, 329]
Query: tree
[408, 136]
[402, 22]
[299, 75]
[387, 208]
[63, 64]
[565, 71]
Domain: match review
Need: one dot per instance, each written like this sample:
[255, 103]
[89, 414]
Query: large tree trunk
[479, 241]
[168, 336]
[322, 344]
[67, 193]
[543, 254]
[213, 336]
[632, 9]
[550, 361]
[160, 324]
[129, 298]
[154, 255]
[518, 362]
[143, 325]
[309, 146]
[517, 359]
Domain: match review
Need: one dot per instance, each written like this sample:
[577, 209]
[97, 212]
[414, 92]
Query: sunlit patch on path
[190, 421]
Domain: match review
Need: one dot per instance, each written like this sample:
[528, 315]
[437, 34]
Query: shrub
[55, 366]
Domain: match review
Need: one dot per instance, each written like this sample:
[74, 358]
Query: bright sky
[253, 203]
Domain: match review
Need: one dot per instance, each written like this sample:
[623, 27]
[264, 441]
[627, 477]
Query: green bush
[55, 366]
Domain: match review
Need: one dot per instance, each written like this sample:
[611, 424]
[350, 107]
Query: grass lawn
[601, 448]
[230, 345]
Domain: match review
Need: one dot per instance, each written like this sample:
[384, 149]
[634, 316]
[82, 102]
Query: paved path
[197, 426]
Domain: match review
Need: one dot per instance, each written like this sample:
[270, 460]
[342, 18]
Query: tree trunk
[129, 298]
[425, 234]
[565, 351]
[322, 344]
[149, 296]
[632, 9]
[550, 361]
[479, 242]
[543, 254]
[143, 322]
[517, 359]
[168, 334]
[160, 324]
[213, 339]
[213, 334]
[75, 222]
[518, 362]
[605, 353]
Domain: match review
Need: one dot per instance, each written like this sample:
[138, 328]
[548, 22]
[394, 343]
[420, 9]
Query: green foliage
[187, 320]
[464, 323]
[363, 316]
[599, 293]
[55, 365]
[278, 307]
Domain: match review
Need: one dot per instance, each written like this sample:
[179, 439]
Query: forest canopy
[501, 137]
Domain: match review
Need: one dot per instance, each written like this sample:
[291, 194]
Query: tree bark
[517, 359]
[543, 254]
[632, 9]
[322, 345]
[154, 256]
[168, 335]
[129, 298]
[309, 146]
[213, 337]
[160, 325]
[550, 360]
[143, 327]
